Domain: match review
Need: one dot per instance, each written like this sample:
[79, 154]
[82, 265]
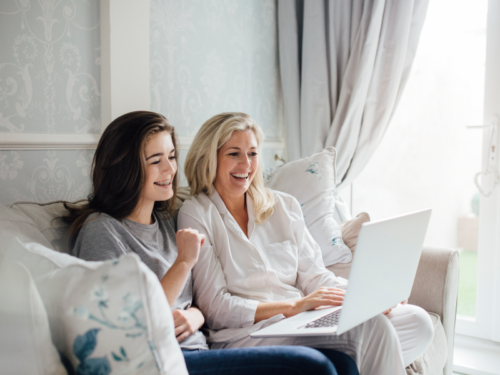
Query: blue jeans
[264, 360]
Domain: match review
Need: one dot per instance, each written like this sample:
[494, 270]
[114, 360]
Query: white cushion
[342, 212]
[108, 317]
[25, 342]
[14, 223]
[48, 219]
[312, 181]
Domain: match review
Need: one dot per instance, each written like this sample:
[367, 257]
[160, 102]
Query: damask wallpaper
[44, 176]
[207, 57]
[213, 56]
[49, 83]
[49, 66]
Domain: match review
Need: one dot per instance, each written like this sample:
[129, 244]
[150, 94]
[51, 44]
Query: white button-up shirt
[279, 260]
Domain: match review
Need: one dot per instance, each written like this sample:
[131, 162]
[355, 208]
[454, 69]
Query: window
[455, 82]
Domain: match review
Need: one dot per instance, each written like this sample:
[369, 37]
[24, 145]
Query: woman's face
[237, 163]
[161, 166]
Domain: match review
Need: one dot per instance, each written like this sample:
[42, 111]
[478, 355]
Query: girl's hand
[187, 322]
[322, 297]
[189, 242]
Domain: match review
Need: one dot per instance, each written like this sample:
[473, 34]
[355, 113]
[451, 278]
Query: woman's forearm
[266, 310]
[174, 280]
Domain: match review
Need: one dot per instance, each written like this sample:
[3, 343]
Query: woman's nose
[246, 160]
[169, 166]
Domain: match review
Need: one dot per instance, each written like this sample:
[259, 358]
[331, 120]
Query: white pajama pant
[383, 345]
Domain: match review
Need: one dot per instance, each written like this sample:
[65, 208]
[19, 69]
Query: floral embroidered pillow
[105, 317]
[312, 182]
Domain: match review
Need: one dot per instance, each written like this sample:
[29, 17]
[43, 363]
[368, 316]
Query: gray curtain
[344, 65]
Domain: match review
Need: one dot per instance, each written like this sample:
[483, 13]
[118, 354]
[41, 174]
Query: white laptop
[382, 273]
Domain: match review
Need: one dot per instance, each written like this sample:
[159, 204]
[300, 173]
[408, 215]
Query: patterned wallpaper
[49, 83]
[44, 176]
[207, 56]
[212, 56]
[49, 66]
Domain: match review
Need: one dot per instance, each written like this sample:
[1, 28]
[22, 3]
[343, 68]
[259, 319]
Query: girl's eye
[233, 154]
[172, 157]
[253, 154]
[156, 162]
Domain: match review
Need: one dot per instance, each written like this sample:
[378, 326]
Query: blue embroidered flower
[268, 173]
[130, 319]
[314, 169]
[337, 237]
[83, 347]
[336, 241]
[122, 356]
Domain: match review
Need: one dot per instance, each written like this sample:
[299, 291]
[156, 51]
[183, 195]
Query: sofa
[435, 287]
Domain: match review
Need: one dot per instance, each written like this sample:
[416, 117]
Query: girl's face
[237, 163]
[161, 166]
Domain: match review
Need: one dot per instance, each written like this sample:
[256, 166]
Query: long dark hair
[118, 170]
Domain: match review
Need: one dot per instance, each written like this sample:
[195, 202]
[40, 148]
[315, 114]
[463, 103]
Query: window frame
[484, 325]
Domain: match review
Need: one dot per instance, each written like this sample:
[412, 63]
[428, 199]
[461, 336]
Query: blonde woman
[259, 263]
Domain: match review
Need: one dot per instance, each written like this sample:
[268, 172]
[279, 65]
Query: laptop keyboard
[330, 320]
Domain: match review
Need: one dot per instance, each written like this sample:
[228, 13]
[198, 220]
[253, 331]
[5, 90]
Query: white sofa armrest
[436, 289]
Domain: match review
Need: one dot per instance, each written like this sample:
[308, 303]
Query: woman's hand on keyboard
[322, 297]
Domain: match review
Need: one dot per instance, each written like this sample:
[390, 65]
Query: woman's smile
[241, 176]
[165, 184]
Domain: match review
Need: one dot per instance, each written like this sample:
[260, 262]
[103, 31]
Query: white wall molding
[31, 141]
[125, 69]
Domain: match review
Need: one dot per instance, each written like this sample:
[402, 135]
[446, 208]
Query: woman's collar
[221, 207]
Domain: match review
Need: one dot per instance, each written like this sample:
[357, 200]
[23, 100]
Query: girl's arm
[189, 242]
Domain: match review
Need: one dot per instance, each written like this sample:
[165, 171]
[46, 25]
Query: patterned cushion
[312, 181]
[105, 317]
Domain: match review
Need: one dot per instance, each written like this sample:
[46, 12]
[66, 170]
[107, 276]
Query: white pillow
[312, 181]
[106, 317]
[25, 343]
[342, 212]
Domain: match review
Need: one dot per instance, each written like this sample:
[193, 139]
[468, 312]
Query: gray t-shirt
[102, 237]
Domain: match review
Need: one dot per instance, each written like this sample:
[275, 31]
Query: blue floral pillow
[312, 182]
[105, 317]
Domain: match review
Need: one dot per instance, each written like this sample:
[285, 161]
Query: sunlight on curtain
[427, 157]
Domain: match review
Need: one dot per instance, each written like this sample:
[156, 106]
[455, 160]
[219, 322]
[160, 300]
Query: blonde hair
[201, 161]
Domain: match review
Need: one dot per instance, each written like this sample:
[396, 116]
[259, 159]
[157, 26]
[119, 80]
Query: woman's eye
[233, 154]
[156, 162]
[253, 154]
[172, 158]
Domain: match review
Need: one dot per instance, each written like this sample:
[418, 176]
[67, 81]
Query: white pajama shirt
[279, 260]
